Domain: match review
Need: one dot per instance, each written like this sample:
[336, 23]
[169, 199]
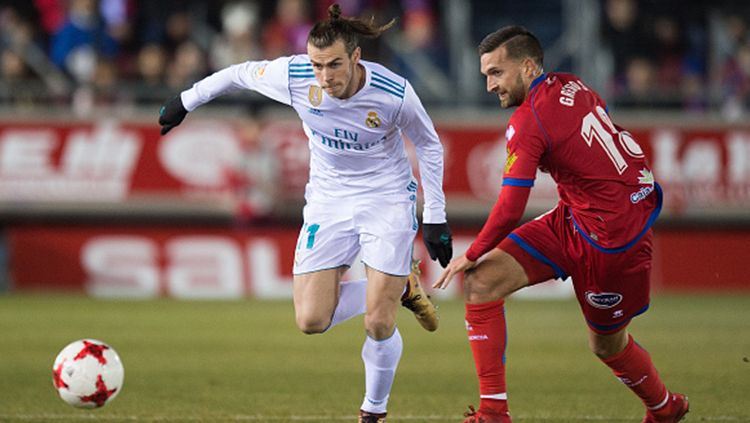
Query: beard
[515, 95]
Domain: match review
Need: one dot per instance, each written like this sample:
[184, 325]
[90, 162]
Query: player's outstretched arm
[171, 114]
[269, 78]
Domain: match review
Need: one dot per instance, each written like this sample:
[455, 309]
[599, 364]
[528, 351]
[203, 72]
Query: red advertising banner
[212, 263]
[703, 172]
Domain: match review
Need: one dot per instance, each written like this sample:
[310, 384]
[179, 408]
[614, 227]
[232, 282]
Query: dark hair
[518, 41]
[324, 33]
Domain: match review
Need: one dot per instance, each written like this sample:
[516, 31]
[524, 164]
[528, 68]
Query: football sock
[381, 359]
[485, 324]
[634, 368]
[352, 301]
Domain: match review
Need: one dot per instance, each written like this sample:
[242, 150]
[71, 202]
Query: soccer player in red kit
[598, 234]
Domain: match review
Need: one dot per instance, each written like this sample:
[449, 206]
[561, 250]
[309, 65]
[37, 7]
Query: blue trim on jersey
[646, 227]
[301, 70]
[388, 90]
[518, 182]
[538, 79]
[607, 328]
[534, 83]
[388, 81]
[539, 256]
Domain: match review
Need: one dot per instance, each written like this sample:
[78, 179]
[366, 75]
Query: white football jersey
[356, 147]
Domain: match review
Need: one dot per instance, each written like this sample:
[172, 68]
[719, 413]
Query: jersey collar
[536, 82]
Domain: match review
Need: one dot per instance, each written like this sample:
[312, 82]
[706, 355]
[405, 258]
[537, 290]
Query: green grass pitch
[245, 361]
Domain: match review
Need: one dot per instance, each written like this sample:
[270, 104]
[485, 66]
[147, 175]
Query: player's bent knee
[379, 328]
[312, 326]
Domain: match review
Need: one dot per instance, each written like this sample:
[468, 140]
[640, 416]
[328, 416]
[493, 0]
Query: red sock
[634, 368]
[485, 324]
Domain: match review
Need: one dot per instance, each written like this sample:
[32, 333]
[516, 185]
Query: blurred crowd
[672, 54]
[93, 52]
[109, 51]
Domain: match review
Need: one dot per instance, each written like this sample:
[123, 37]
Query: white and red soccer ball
[88, 373]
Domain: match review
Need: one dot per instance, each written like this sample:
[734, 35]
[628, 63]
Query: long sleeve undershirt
[504, 217]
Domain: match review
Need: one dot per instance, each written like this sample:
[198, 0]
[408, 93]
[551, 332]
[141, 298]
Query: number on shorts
[309, 231]
[592, 128]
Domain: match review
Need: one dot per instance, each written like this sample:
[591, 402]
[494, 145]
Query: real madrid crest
[315, 95]
[372, 121]
[259, 70]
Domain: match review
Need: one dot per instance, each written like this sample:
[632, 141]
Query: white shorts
[334, 232]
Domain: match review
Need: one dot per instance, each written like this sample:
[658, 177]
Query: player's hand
[438, 240]
[459, 264]
[171, 114]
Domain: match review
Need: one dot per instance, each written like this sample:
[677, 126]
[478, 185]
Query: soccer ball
[88, 373]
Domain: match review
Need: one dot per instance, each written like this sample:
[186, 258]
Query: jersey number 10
[593, 128]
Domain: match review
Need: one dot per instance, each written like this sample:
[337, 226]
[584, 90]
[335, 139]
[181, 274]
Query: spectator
[14, 74]
[12, 66]
[19, 84]
[670, 48]
[693, 91]
[638, 87]
[177, 31]
[287, 31]
[148, 84]
[81, 41]
[16, 30]
[117, 19]
[626, 36]
[238, 40]
[152, 62]
[736, 83]
[104, 83]
[51, 15]
[420, 54]
[187, 65]
[102, 90]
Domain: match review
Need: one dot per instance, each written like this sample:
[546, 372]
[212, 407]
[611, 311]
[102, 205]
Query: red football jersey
[602, 176]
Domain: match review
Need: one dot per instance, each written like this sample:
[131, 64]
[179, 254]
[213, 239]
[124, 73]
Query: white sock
[381, 359]
[352, 301]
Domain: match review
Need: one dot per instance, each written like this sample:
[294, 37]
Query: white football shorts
[334, 232]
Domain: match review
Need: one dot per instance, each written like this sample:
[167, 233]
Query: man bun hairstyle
[324, 33]
[519, 43]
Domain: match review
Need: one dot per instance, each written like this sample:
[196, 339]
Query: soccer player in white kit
[361, 196]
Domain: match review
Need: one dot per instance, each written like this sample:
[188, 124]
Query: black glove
[438, 240]
[171, 114]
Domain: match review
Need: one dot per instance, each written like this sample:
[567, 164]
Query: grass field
[245, 361]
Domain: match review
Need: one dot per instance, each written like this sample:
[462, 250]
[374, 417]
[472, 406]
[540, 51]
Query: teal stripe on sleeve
[387, 81]
[387, 89]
